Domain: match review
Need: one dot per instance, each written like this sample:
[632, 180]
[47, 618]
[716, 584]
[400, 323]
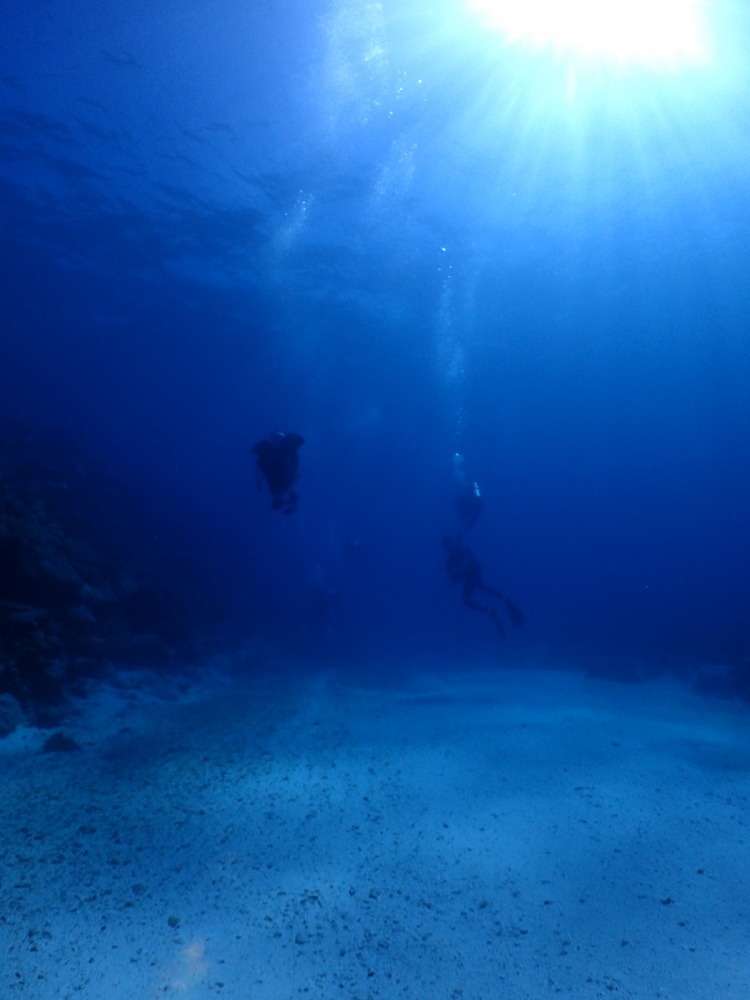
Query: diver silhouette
[463, 567]
[278, 463]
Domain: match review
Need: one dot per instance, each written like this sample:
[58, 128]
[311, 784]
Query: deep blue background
[375, 226]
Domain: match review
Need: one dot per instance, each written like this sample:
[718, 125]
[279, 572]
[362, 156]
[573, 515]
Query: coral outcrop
[80, 587]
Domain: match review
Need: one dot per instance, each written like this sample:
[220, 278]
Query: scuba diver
[278, 464]
[462, 567]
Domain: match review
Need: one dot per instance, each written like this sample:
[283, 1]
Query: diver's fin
[515, 614]
[496, 620]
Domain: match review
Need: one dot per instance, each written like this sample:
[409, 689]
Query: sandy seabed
[506, 835]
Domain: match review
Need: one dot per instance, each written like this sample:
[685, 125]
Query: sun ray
[662, 34]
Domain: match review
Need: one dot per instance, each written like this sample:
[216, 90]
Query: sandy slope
[497, 835]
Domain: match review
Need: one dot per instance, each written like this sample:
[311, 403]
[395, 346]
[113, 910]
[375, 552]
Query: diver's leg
[496, 620]
[514, 613]
[291, 503]
[471, 603]
[481, 585]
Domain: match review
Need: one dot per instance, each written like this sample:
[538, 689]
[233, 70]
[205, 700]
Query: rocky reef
[82, 586]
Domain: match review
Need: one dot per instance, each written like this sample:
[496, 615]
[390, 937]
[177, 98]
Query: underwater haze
[374, 499]
[387, 228]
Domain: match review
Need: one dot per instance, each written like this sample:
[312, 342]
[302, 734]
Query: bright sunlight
[659, 34]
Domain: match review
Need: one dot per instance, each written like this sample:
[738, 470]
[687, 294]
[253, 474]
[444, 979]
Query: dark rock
[60, 743]
[82, 583]
[10, 714]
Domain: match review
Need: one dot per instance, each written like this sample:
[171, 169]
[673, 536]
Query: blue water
[376, 226]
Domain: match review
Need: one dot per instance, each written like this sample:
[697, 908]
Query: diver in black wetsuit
[462, 567]
[278, 463]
